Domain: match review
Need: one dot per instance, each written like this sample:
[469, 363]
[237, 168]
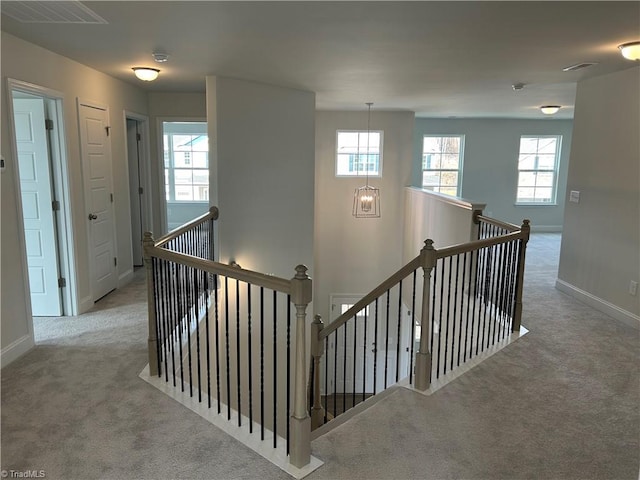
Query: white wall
[27, 62]
[600, 251]
[353, 255]
[490, 171]
[166, 107]
[263, 161]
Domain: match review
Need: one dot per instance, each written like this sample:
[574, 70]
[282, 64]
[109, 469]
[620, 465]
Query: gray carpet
[560, 403]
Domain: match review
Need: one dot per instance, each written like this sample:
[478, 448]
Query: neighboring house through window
[186, 162]
[538, 169]
[442, 163]
[358, 153]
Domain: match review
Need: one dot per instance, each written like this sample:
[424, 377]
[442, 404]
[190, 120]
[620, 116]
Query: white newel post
[517, 315]
[317, 350]
[148, 243]
[300, 422]
[423, 357]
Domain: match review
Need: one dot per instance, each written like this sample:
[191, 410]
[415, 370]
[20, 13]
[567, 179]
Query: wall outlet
[633, 288]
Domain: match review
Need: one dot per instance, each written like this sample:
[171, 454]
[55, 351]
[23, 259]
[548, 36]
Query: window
[538, 169]
[442, 163]
[351, 153]
[186, 161]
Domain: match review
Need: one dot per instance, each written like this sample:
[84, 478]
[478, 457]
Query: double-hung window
[358, 153]
[442, 163]
[538, 169]
[186, 161]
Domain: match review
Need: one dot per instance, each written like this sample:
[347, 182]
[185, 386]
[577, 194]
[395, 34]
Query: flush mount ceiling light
[145, 73]
[550, 109]
[630, 50]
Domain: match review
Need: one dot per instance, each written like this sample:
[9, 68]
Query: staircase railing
[468, 298]
[224, 334]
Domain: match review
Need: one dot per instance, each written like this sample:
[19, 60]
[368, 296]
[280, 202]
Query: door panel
[37, 212]
[96, 165]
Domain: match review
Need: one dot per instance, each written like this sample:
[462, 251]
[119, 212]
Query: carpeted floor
[560, 403]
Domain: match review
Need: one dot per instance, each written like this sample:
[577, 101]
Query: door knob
[92, 216]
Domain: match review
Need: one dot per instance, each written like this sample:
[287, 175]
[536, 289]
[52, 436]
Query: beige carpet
[560, 403]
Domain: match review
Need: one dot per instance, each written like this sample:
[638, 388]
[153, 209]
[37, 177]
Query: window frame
[554, 172]
[459, 170]
[169, 163]
[363, 152]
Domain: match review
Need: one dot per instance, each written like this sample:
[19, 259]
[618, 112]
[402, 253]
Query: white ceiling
[439, 59]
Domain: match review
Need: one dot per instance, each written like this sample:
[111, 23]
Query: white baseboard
[599, 304]
[125, 278]
[546, 228]
[16, 349]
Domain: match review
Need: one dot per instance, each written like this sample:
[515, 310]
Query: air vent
[51, 12]
[578, 66]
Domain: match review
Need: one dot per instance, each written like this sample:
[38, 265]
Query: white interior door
[37, 208]
[96, 167]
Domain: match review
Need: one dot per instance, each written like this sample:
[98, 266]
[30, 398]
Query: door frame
[80, 102]
[60, 176]
[145, 169]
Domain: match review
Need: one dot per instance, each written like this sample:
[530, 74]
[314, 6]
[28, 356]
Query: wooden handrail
[478, 244]
[255, 278]
[498, 223]
[370, 297]
[212, 214]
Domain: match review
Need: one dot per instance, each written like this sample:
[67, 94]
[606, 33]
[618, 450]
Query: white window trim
[363, 152]
[554, 200]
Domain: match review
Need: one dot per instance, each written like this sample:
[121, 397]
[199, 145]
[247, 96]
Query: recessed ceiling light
[550, 109]
[145, 73]
[630, 50]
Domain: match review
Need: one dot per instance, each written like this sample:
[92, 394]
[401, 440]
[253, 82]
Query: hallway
[559, 403]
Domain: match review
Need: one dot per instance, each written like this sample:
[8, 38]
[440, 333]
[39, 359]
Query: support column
[517, 315]
[300, 422]
[423, 357]
[152, 343]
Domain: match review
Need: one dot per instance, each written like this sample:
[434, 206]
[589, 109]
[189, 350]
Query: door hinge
[111, 196]
[138, 137]
[55, 205]
[140, 190]
[48, 124]
[108, 129]
[62, 282]
[115, 261]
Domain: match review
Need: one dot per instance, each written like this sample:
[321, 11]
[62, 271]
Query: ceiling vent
[578, 66]
[51, 12]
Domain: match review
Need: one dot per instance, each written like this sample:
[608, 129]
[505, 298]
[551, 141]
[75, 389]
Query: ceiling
[438, 59]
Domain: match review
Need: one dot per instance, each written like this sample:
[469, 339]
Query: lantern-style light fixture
[366, 199]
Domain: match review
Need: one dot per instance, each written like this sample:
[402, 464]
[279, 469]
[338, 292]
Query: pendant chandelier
[366, 199]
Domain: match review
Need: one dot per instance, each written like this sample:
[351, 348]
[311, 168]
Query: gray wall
[490, 170]
[600, 252]
[353, 255]
[263, 137]
[27, 62]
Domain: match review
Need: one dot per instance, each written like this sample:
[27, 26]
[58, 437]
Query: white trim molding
[599, 304]
[546, 228]
[16, 349]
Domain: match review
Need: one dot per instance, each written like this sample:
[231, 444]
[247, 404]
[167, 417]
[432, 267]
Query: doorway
[137, 134]
[44, 204]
